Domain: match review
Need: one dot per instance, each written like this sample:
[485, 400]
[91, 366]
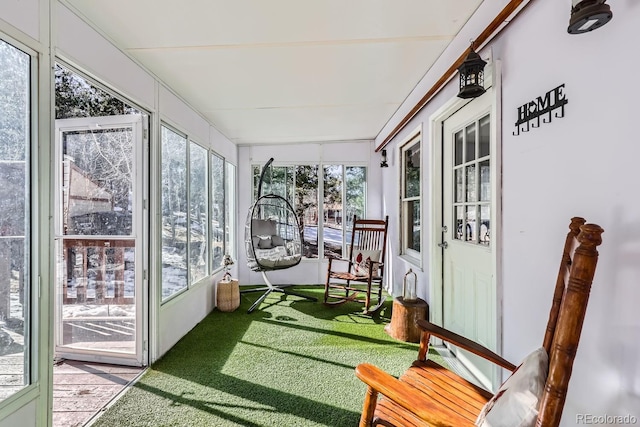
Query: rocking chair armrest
[397, 391]
[464, 343]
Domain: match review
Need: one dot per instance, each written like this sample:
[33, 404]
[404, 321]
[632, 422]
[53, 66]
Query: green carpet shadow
[290, 362]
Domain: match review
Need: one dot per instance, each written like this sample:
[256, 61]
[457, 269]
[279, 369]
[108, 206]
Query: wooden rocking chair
[364, 272]
[429, 395]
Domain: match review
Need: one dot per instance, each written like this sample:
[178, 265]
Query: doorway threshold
[83, 390]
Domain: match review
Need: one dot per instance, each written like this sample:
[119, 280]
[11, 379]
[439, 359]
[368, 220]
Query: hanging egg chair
[272, 235]
[273, 239]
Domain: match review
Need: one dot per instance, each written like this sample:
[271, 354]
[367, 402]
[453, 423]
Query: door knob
[444, 245]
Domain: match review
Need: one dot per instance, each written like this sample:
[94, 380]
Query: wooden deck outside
[82, 389]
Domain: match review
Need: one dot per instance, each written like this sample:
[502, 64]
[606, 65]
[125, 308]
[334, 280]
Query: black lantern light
[587, 15]
[383, 163]
[471, 75]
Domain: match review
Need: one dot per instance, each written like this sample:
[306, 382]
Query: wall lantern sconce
[587, 15]
[471, 76]
[383, 163]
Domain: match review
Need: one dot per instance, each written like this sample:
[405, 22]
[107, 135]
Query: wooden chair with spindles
[429, 395]
[359, 277]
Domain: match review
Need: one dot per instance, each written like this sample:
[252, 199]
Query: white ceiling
[285, 70]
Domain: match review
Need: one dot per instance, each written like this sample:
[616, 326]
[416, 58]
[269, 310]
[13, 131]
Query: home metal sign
[529, 113]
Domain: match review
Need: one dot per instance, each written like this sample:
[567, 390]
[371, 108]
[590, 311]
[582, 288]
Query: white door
[99, 230]
[469, 291]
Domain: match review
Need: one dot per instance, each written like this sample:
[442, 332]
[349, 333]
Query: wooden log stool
[404, 318]
[228, 294]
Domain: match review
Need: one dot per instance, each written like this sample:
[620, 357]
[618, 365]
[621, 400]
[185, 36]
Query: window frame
[36, 324]
[409, 254]
[320, 195]
[229, 239]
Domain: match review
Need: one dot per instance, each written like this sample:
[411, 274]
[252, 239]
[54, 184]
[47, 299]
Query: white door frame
[139, 125]
[436, 291]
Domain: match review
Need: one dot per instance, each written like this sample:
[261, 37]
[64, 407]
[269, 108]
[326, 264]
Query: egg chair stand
[273, 240]
[272, 288]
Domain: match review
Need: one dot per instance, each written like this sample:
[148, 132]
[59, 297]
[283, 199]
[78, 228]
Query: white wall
[581, 165]
[310, 271]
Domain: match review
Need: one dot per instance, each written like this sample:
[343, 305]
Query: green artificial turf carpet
[289, 363]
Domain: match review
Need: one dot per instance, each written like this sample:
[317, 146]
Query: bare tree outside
[15, 131]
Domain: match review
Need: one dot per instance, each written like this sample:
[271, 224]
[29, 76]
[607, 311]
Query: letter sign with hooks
[555, 98]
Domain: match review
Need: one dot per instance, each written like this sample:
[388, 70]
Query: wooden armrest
[465, 343]
[400, 392]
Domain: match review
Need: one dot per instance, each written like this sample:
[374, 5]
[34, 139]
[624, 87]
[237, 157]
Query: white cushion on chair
[516, 402]
[360, 258]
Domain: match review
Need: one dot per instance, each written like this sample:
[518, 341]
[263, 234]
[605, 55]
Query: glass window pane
[15, 133]
[99, 287]
[413, 224]
[412, 171]
[98, 182]
[356, 191]
[460, 233]
[484, 148]
[174, 212]
[230, 211]
[198, 208]
[457, 140]
[485, 181]
[306, 207]
[459, 185]
[470, 228]
[256, 179]
[332, 211]
[470, 172]
[484, 237]
[470, 143]
[217, 211]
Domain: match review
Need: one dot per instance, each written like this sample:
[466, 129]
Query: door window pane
[460, 233]
[15, 131]
[484, 148]
[485, 181]
[457, 140]
[485, 225]
[470, 172]
[470, 143]
[459, 192]
[98, 182]
[470, 228]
